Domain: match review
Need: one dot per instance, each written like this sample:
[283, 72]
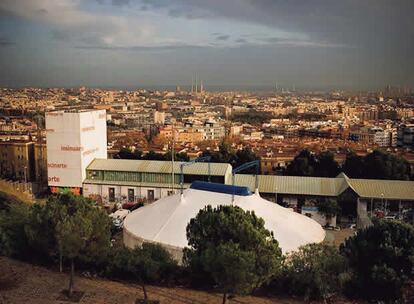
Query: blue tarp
[221, 188]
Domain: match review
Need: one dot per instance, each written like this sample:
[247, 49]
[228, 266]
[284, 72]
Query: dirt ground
[25, 283]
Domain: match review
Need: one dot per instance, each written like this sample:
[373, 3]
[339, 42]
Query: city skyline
[131, 44]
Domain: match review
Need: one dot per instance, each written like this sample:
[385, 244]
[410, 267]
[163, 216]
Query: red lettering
[86, 129]
[71, 148]
[57, 166]
[54, 113]
[87, 152]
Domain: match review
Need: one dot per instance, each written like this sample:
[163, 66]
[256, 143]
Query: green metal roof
[134, 184]
[156, 166]
[321, 186]
[388, 189]
[296, 185]
[317, 186]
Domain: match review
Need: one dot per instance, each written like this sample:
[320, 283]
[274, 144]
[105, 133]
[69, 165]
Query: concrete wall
[22, 191]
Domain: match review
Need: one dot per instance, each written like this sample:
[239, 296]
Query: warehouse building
[115, 180]
[121, 180]
[357, 197]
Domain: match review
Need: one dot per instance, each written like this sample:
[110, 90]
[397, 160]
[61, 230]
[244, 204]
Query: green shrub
[381, 258]
[314, 272]
[13, 239]
[117, 265]
[149, 263]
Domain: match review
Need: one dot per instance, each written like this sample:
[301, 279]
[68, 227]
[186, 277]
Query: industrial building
[115, 180]
[357, 197]
[293, 189]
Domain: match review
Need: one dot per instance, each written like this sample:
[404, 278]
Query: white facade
[124, 193]
[74, 139]
[159, 117]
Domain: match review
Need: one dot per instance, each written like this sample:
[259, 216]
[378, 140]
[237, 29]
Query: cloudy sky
[358, 44]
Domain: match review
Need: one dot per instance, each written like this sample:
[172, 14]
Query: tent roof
[165, 221]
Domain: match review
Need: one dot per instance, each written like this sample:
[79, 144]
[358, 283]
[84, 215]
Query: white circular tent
[165, 220]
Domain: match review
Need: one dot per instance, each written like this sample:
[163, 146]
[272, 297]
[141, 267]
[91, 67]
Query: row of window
[148, 177]
[131, 194]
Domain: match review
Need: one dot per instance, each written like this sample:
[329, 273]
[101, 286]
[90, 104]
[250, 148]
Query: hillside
[25, 283]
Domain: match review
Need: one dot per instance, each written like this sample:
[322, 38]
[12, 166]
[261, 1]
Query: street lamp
[25, 177]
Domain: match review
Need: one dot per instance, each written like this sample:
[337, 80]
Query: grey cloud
[273, 39]
[377, 28]
[223, 37]
[60, 35]
[241, 40]
[345, 22]
[4, 42]
[120, 2]
[42, 11]
[172, 47]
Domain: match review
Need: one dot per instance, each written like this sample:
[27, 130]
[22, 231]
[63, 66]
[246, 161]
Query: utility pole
[172, 158]
[39, 118]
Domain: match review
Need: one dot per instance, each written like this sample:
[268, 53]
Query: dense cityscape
[206, 152]
[275, 125]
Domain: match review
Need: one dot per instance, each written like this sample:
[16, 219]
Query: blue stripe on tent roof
[221, 188]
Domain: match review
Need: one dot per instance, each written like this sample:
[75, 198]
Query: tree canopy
[13, 239]
[328, 207]
[82, 230]
[233, 247]
[227, 154]
[302, 165]
[381, 258]
[149, 263]
[313, 271]
[375, 165]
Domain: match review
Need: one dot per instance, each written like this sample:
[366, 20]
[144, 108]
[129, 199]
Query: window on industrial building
[111, 194]
[150, 195]
[93, 174]
[131, 195]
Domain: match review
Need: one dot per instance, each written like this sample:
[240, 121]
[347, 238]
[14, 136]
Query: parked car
[353, 226]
